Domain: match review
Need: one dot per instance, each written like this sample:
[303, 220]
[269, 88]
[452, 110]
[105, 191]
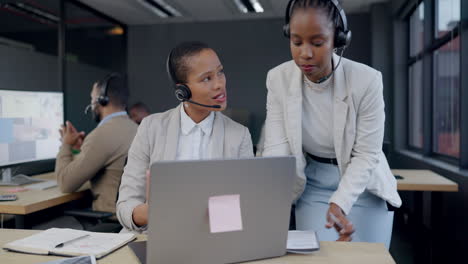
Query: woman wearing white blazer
[196, 129]
[328, 112]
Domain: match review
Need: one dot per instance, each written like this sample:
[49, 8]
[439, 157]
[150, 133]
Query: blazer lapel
[294, 109]
[217, 142]
[340, 108]
[172, 136]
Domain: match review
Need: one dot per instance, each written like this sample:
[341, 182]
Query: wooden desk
[424, 180]
[330, 253]
[36, 200]
[420, 181]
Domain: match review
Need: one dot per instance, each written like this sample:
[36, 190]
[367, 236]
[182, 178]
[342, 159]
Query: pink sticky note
[225, 213]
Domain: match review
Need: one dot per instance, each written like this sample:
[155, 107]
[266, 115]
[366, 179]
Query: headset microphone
[321, 80]
[88, 107]
[210, 106]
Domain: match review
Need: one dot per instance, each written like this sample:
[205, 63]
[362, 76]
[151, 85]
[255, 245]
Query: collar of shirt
[187, 124]
[109, 117]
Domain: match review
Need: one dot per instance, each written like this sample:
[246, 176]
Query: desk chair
[97, 221]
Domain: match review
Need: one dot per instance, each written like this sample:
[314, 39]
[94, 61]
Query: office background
[419, 46]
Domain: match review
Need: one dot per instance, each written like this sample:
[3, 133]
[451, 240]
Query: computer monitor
[29, 124]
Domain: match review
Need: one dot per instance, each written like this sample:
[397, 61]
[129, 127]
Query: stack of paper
[302, 242]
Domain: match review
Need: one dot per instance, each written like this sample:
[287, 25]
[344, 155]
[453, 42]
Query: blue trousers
[371, 219]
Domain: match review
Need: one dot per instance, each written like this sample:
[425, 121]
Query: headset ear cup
[340, 39]
[286, 29]
[182, 92]
[103, 100]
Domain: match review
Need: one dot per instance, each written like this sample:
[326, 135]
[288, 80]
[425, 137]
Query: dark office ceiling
[133, 12]
[19, 20]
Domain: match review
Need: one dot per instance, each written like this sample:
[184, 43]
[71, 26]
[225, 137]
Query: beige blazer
[101, 161]
[157, 140]
[358, 123]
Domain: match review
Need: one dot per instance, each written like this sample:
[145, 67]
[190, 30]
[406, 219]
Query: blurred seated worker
[138, 111]
[103, 151]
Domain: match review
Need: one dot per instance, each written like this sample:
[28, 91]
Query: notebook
[302, 242]
[75, 260]
[75, 243]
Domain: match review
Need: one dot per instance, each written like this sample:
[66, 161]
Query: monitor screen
[29, 124]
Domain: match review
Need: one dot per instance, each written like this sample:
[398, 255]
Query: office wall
[28, 71]
[248, 49]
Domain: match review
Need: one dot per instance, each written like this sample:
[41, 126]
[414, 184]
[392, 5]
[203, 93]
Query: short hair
[117, 89]
[180, 54]
[139, 105]
[325, 5]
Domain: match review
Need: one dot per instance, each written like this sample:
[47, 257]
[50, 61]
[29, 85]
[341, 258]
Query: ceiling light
[249, 6]
[116, 31]
[257, 6]
[161, 8]
[41, 15]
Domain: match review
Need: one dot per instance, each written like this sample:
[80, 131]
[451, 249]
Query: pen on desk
[70, 241]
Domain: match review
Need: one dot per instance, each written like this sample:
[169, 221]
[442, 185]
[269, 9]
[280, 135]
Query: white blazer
[157, 140]
[358, 122]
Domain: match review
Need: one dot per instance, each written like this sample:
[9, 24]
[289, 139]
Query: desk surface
[424, 180]
[35, 200]
[330, 252]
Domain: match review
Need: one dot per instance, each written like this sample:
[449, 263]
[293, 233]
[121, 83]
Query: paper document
[76, 260]
[302, 242]
[225, 213]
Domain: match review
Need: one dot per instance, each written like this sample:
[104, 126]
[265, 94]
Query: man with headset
[104, 150]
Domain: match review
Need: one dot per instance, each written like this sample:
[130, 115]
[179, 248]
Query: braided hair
[325, 5]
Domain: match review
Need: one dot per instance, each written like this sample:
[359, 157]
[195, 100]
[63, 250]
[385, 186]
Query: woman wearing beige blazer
[328, 112]
[196, 129]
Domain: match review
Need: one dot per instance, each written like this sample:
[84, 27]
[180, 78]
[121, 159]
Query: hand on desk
[71, 136]
[140, 213]
[337, 219]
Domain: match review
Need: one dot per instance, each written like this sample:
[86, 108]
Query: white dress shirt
[317, 118]
[194, 138]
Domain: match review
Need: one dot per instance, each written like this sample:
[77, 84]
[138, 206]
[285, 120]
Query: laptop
[179, 214]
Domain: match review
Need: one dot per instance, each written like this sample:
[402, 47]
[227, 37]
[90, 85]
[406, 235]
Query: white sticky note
[225, 213]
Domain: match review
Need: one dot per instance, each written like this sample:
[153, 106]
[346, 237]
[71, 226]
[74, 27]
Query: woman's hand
[140, 213]
[337, 219]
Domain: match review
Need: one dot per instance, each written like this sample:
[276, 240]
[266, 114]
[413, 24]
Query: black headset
[182, 91]
[103, 98]
[342, 33]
